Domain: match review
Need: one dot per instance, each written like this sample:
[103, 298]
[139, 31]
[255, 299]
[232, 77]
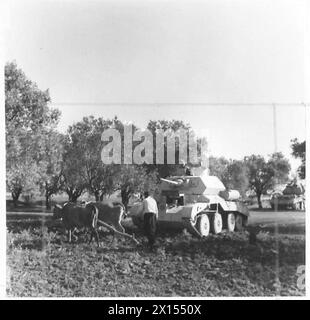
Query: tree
[134, 178]
[299, 151]
[84, 148]
[219, 167]
[25, 162]
[233, 173]
[237, 177]
[83, 167]
[263, 174]
[26, 106]
[51, 164]
[72, 181]
[170, 127]
[128, 178]
[22, 177]
[27, 117]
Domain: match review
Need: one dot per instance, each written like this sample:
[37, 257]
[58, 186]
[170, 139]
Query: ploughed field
[40, 262]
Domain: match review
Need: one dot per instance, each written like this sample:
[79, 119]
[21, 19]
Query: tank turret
[195, 185]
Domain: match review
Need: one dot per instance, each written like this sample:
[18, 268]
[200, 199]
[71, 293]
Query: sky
[186, 60]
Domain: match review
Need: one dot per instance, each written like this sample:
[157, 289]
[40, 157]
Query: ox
[74, 216]
[110, 215]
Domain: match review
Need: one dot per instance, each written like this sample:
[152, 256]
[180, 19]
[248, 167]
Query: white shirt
[150, 205]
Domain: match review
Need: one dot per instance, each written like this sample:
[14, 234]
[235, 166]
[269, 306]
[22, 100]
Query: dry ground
[41, 263]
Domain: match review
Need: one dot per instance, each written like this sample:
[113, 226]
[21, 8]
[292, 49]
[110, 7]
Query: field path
[280, 217]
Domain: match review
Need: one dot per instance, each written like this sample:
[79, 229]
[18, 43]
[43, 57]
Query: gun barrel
[169, 181]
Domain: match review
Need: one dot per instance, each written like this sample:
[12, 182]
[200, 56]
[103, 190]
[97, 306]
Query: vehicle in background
[292, 197]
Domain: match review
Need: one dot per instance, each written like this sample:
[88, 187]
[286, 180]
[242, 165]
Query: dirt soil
[41, 263]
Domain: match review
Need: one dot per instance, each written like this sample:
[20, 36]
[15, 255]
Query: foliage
[72, 182]
[83, 168]
[28, 118]
[134, 178]
[26, 106]
[233, 173]
[299, 151]
[170, 127]
[237, 176]
[25, 162]
[22, 177]
[51, 163]
[218, 167]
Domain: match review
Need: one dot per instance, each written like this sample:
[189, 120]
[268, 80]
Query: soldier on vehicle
[188, 171]
[186, 168]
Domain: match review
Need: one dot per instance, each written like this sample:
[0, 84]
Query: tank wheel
[203, 225]
[239, 222]
[217, 223]
[230, 222]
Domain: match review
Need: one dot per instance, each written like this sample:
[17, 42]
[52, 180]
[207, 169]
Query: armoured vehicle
[198, 203]
[292, 197]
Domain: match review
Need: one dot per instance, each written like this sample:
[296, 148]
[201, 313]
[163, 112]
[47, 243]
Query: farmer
[150, 213]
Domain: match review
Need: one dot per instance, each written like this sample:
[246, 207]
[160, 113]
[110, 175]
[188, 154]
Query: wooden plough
[118, 232]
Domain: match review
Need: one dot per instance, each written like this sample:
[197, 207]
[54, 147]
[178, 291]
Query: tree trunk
[125, 198]
[15, 196]
[74, 197]
[101, 197]
[69, 193]
[47, 200]
[73, 194]
[259, 201]
[97, 196]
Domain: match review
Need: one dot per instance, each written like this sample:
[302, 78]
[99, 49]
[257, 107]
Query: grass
[40, 263]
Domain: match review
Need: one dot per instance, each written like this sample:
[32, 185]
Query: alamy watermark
[143, 146]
